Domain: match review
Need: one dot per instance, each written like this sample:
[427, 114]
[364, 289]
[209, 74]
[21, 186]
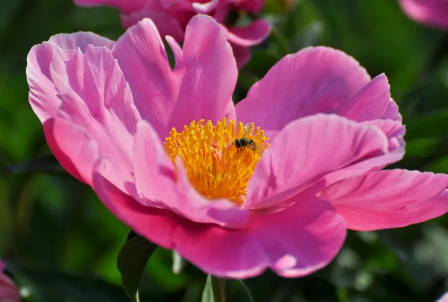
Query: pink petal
[370, 102]
[156, 184]
[250, 35]
[306, 151]
[43, 95]
[80, 41]
[391, 112]
[242, 55]
[201, 85]
[314, 80]
[253, 6]
[123, 5]
[444, 298]
[72, 147]
[431, 12]
[207, 75]
[142, 58]
[274, 241]
[8, 290]
[95, 97]
[389, 199]
[156, 225]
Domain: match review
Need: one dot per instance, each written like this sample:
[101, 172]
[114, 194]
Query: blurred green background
[61, 243]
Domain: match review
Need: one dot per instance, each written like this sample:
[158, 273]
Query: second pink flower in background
[172, 16]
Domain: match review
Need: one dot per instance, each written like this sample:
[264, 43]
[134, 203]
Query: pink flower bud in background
[172, 16]
[8, 290]
[430, 12]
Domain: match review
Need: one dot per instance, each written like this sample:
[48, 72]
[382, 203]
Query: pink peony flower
[430, 12]
[171, 156]
[172, 16]
[8, 290]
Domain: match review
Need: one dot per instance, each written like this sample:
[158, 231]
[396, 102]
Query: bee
[244, 142]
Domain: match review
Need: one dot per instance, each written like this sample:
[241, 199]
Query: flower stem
[219, 292]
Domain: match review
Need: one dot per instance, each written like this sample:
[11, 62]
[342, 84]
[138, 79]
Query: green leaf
[45, 164]
[131, 262]
[58, 285]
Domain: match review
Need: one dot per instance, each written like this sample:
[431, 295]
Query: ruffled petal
[207, 75]
[306, 151]
[201, 85]
[158, 184]
[389, 199]
[80, 41]
[274, 241]
[370, 102]
[431, 12]
[314, 80]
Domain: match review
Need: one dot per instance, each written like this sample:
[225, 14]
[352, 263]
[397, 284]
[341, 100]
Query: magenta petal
[80, 41]
[207, 75]
[72, 147]
[306, 151]
[142, 58]
[242, 55]
[314, 80]
[389, 199]
[8, 290]
[392, 112]
[370, 102]
[156, 225]
[274, 241]
[43, 95]
[155, 180]
[431, 12]
[123, 5]
[164, 21]
[250, 35]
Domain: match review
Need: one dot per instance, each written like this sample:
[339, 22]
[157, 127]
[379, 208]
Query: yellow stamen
[214, 164]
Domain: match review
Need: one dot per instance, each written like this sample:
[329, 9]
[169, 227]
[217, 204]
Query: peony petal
[96, 97]
[274, 241]
[431, 12]
[142, 58]
[370, 102]
[72, 147]
[250, 35]
[314, 80]
[444, 298]
[242, 55]
[43, 95]
[207, 75]
[158, 184]
[305, 151]
[156, 225]
[389, 199]
[8, 290]
[123, 5]
[80, 41]
[391, 112]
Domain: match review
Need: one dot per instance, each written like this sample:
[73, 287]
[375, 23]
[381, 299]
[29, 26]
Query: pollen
[215, 165]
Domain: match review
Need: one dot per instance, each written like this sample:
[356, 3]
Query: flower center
[218, 160]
